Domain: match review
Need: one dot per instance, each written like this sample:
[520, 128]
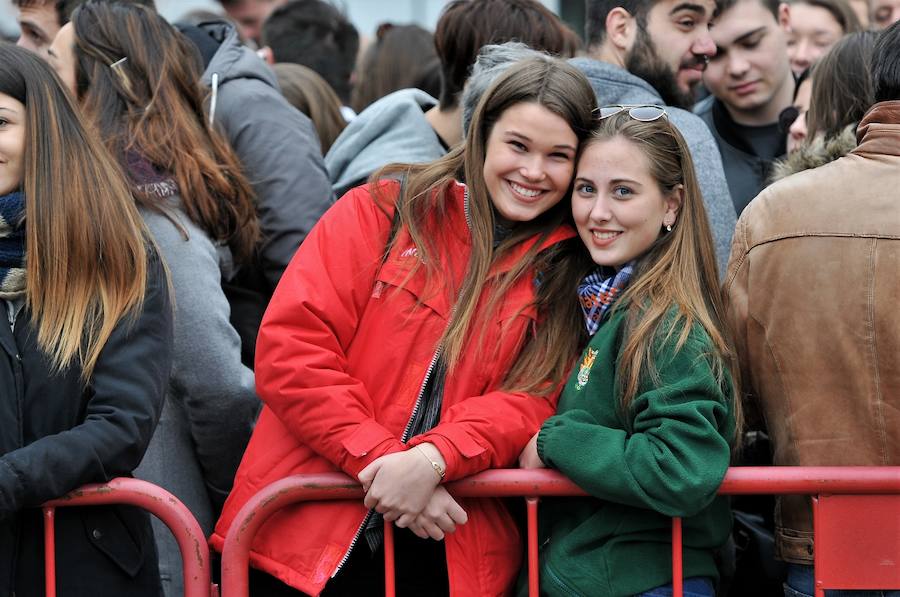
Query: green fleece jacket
[666, 458]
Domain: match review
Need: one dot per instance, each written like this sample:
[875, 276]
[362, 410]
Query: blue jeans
[693, 587]
[801, 582]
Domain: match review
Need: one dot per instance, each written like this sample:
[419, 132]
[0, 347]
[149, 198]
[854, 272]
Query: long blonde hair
[86, 265]
[678, 271]
[547, 357]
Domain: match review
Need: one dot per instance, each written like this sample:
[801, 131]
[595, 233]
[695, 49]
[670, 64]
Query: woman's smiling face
[12, 143]
[617, 205]
[529, 160]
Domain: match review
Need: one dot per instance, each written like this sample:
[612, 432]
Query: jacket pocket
[122, 534]
[367, 436]
[394, 276]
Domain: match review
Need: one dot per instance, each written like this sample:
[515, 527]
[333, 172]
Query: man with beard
[751, 83]
[654, 52]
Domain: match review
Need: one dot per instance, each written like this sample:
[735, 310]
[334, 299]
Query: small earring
[668, 228]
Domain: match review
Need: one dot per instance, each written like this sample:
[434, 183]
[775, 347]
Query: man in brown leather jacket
[812, 288]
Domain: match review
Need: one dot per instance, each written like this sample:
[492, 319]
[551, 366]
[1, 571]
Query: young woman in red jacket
[421, 335]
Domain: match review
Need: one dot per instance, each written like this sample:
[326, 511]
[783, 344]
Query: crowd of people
[239, 247]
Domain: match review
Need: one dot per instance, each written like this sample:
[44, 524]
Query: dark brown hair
[547, 357]
[467, 25]
[151, 103]
[397, 59]
[316, 34]
[842, 89]
[840, 10]
[596, 12]
[885, 66]
[86, 267]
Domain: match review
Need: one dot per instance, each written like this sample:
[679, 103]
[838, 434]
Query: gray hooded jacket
[276, 144]
[615, 85]
[391, 130]
[211, 402]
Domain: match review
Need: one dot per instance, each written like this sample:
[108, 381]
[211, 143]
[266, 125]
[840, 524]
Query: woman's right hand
[529, 457]
[440, 516]
[399, 485]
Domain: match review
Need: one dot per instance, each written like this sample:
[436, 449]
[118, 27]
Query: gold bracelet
[437, 467]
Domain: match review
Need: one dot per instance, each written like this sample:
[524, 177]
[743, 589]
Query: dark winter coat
[56, 435]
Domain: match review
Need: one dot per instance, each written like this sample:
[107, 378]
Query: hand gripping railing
[530, 484]
[157, 501]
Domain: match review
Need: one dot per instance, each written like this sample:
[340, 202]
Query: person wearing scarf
[647, 418]
[12, 246]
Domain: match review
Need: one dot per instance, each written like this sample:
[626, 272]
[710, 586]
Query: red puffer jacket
[341, 358]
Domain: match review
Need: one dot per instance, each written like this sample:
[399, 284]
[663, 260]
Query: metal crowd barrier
[836, 561]
[157, 501]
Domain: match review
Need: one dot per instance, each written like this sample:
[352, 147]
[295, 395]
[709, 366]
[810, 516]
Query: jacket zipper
[12, 313]
[405, 437]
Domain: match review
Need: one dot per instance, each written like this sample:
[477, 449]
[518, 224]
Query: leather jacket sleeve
[736, 292]
[123, 403]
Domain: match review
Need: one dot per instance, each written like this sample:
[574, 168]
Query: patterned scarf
[12, 245]
[597, 293]
[148, 179]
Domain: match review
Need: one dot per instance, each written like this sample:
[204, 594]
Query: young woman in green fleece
[647, 419]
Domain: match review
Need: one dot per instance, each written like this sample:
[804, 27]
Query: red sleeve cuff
[368, 442]
[463, 455]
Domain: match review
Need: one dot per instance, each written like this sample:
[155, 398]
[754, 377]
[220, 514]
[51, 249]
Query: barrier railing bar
[531, 504]
[390, 587]
[677, 555]
[817, 587]
[270, 499]
[160, 503]
[530, 484]
[49, 551]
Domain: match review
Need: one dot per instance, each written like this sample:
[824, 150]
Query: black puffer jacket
[56, 435]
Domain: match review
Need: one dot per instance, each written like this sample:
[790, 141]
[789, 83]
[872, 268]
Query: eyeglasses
[788, 117]
[643, 113]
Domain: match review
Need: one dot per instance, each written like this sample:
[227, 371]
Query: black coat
[56, 435]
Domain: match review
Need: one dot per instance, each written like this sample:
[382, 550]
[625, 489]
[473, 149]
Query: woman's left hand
[529, 457]
[399, 485]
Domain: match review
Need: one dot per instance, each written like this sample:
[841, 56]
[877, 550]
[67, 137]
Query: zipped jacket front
[343, 354]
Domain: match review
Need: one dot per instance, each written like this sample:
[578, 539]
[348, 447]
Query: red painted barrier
[533, 484]
[157, 501]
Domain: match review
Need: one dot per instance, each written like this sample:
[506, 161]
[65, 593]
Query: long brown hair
[304, 89]
[678, 271]
[546, 359]
[138, 79]
[86, 265]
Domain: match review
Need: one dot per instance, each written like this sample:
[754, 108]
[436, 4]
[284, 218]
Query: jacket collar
[879, 130]
[460, 227]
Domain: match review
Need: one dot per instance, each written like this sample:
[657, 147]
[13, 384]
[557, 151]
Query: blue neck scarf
[12, 245]
[597, 293]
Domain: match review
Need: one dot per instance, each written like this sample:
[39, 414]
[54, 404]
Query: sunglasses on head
[643, 113]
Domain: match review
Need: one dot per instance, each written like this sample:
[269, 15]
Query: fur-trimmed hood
[817, 153]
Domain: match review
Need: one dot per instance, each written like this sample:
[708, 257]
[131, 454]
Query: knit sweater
[666, 458]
